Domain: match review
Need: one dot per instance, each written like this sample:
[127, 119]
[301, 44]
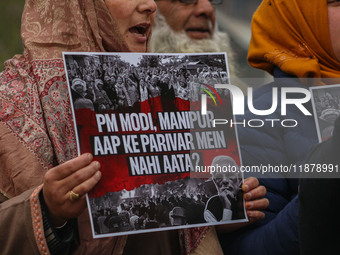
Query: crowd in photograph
[109, 83]
[151, 206]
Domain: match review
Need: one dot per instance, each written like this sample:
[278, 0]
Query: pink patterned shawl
[34, 101]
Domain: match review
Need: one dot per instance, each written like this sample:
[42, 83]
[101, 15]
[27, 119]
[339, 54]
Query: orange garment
[294, 36]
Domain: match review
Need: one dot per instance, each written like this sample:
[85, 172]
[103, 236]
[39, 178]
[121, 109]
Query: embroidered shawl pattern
[34, 101]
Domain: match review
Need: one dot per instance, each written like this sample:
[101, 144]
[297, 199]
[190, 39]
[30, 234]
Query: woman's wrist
[56, 222]
[58, 237]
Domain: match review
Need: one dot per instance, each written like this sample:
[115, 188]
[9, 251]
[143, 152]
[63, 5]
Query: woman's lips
[140, 31]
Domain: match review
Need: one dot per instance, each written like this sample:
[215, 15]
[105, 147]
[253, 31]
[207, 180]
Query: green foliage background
[10, 19]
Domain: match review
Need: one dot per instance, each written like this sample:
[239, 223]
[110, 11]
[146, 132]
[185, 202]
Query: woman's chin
[137, 47]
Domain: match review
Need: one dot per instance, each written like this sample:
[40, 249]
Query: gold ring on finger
[73, 196]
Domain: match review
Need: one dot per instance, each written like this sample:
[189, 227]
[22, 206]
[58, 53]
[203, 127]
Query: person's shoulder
[262, 96]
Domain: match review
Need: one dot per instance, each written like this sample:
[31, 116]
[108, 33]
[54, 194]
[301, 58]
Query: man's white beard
[165, 40]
